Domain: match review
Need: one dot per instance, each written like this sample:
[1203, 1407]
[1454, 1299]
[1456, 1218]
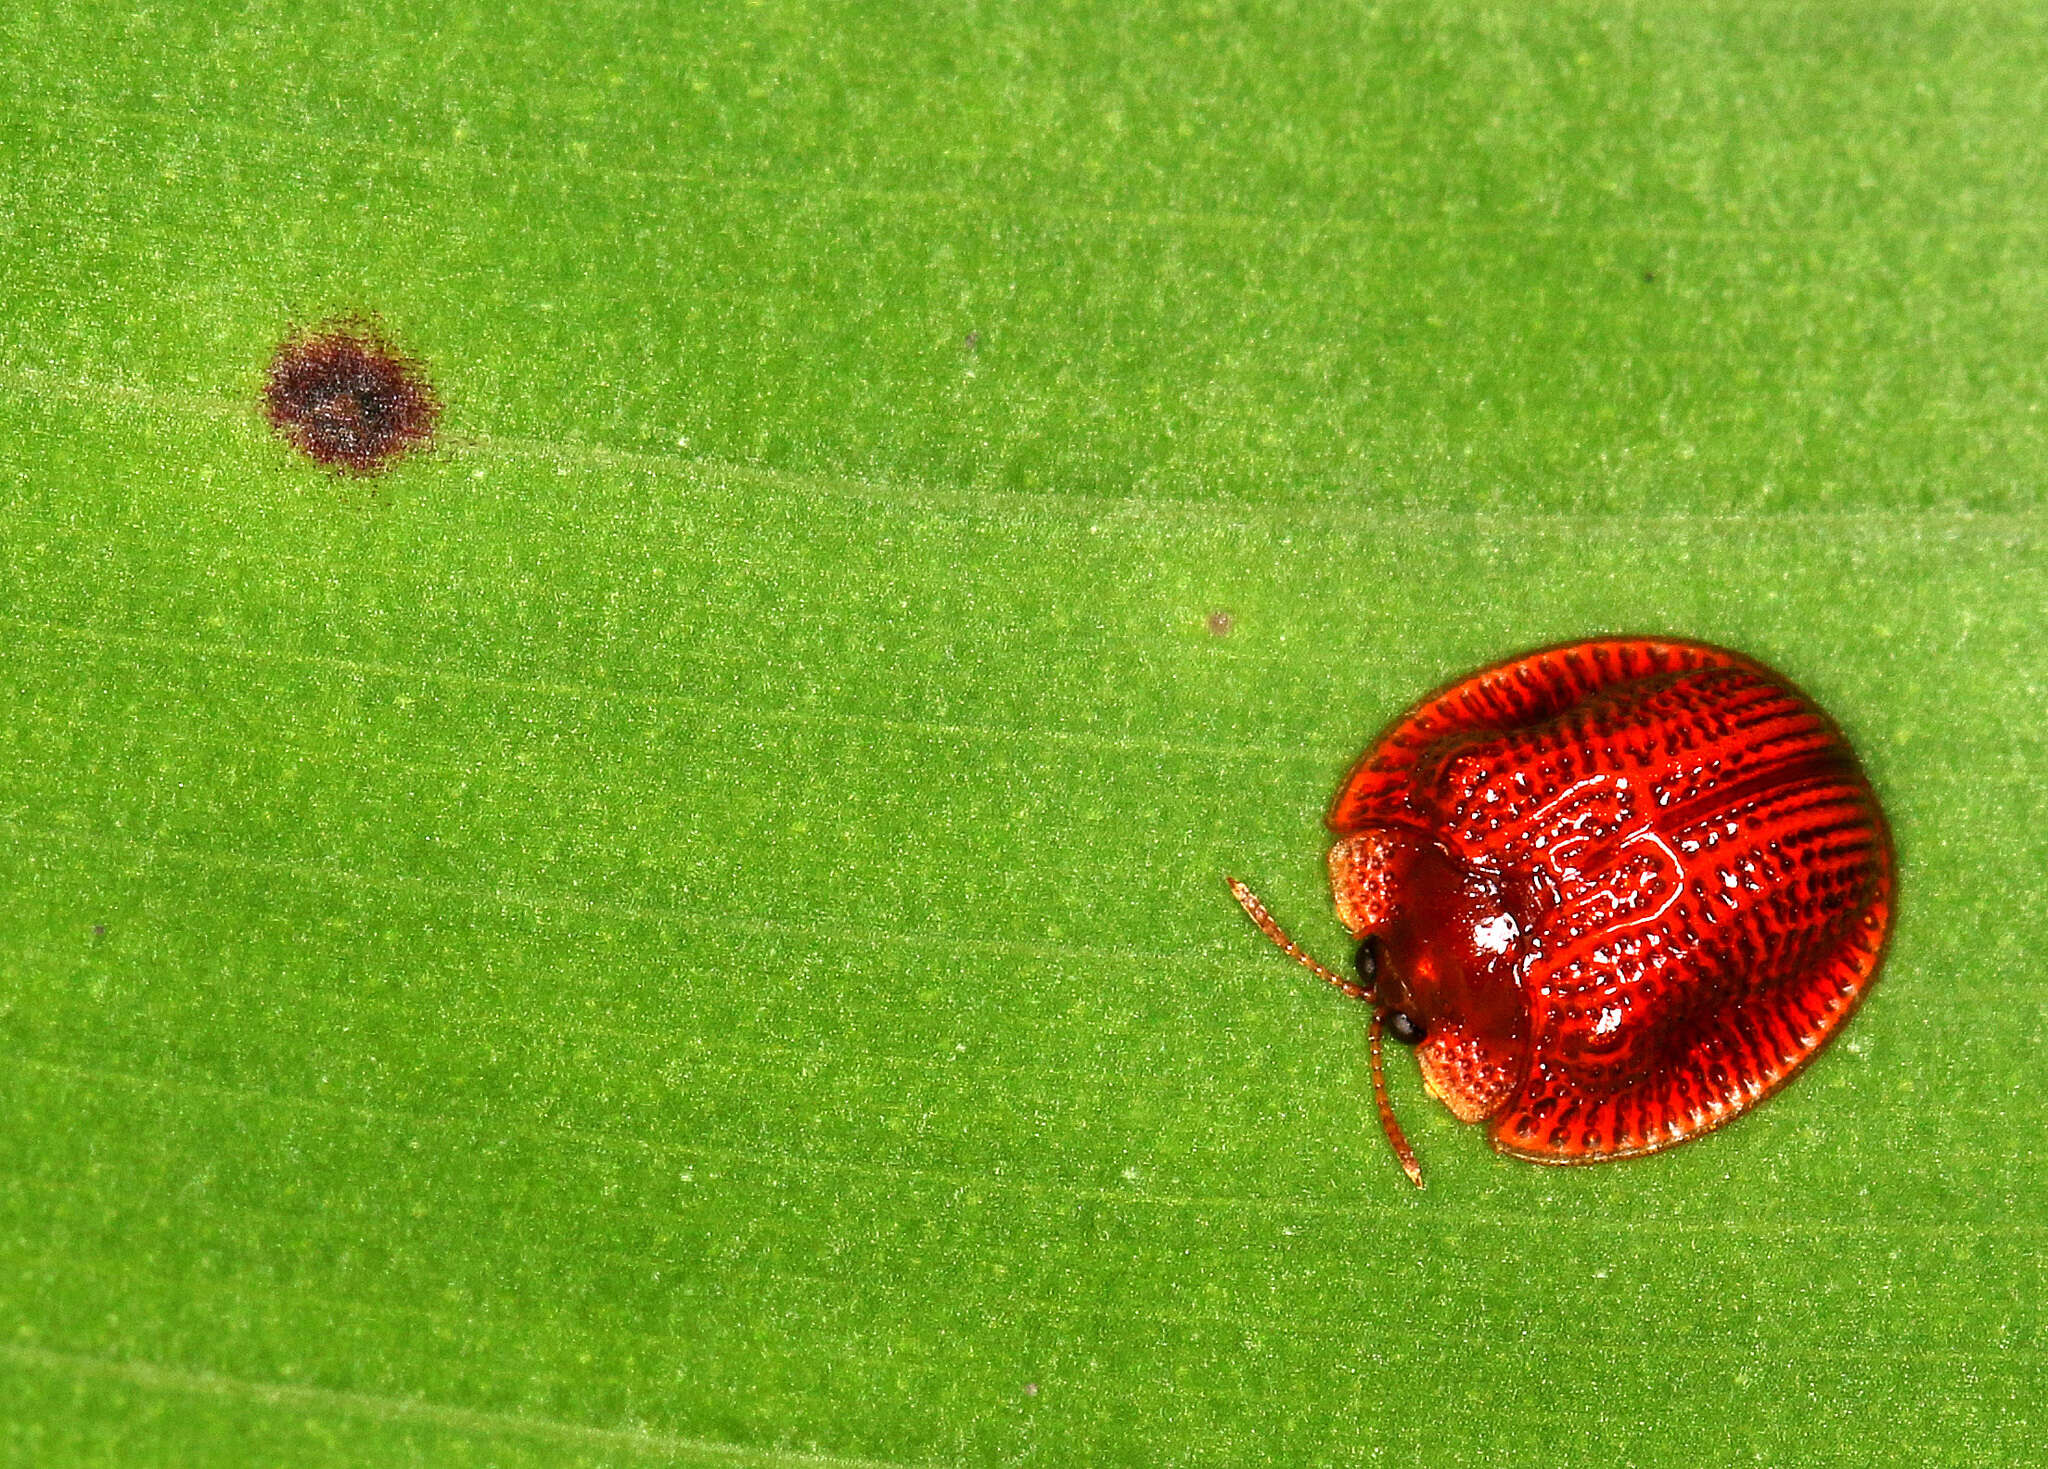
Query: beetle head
[1445, 949]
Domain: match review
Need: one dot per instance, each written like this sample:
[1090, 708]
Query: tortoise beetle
[1614, 893]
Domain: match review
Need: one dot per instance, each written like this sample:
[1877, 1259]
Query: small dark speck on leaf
[973, 342]
[1220, 624]
[347, 399]
[1649, 277]
[99, 930]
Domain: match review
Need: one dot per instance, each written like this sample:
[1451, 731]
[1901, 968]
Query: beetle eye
[1405, 1028]
[1367, 963]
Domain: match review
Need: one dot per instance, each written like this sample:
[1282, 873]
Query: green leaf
[685, 926]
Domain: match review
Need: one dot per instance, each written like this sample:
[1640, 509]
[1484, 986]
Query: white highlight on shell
[1496, 935]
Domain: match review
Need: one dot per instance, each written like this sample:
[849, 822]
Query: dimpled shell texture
[1705, 877]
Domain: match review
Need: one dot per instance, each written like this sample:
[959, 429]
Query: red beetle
[1614, 892]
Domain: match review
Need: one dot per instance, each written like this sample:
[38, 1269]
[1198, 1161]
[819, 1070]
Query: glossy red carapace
[1616, 892]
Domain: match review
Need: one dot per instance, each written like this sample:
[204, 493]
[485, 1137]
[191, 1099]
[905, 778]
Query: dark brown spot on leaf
[343, 396]
[1220, 624]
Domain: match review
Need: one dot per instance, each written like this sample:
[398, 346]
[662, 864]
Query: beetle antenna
[1396, 1138]
[1256, 911]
